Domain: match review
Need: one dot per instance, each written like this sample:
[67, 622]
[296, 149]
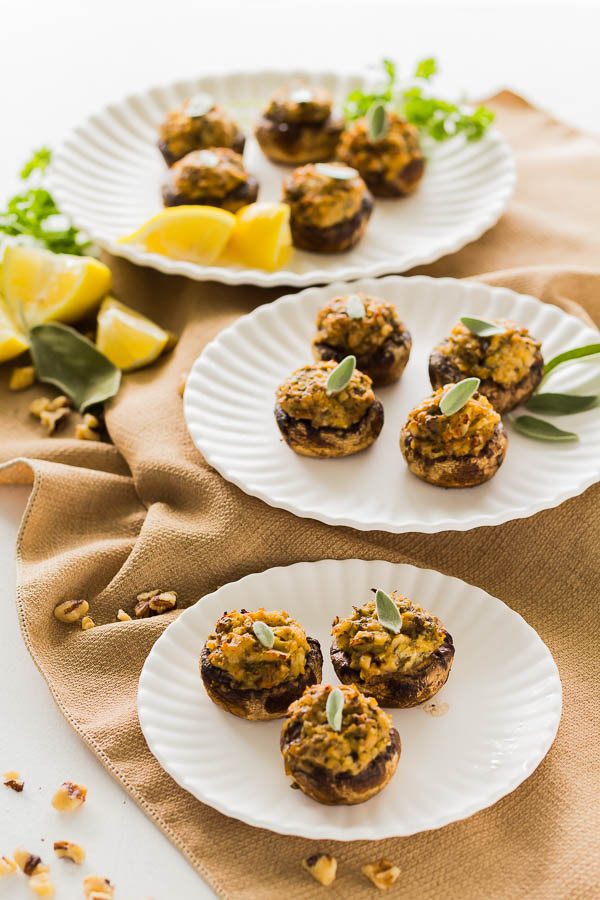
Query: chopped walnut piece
[69, 796]
[21, 378]
[13, 781]
[51, 413]
[68, 850]
[42, 885]
[322, 867]
[29, 863]
[383, 874]
[182, 383]
[122, 616]
[97, 888]
[88, 429]
[87, 622]
[7, 866]
[71, 610]
[154, 603]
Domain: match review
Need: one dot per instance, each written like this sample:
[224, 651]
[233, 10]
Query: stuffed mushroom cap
[339, 767]
[318, 197]
[215, 177]
[182, 131]
[509, 365]
[378, 339]
[299, 104]
[392, 165]
[401, 669]
[251, 680]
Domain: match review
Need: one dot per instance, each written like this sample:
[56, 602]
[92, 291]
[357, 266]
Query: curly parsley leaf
[39, 162]
[426, 68]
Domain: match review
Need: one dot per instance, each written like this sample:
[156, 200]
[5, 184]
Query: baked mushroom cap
[343, 767]
[330, 207]
[215, 177]
[316, 423]
[254, 682]
[378, 339]
[182, 132]
[510, 365]
[392, 165]
[398, 670]
[297, 126]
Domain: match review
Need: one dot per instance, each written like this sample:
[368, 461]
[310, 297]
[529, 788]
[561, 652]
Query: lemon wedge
[193, 233]
[129, 339]
[42, 286]
[261, 238]
[12, 341]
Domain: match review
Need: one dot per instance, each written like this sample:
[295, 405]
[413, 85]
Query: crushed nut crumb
[182, 383]
[29, 863]
[122, 616]
[69, 796]
[97, 888]
[87, 622]
[71, 610]
[7, 866]
[436, 708]
[383, 874]
[13, 781]
[88, 429]
[21, 378]
[322, 867]
[154, 603]
[42, 885]
[68, 850]
[51, 413]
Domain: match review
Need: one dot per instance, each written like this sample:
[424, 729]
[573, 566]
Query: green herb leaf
[301, 95]
[377, 121]
[66, 359]
[541, 430]
[426, 68]
[39, 162]
[264, 634]
[341, 375]
[334, 709]
[561, 404]
[388, 613]
[336, 170]
[481, 327]
[355, 308]
[460, 393]
[34, 214]
[199, 105]
[569, 355]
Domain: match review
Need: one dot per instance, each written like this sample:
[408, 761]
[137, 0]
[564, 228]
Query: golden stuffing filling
[182, 133]
[208, 173]
[318, 199]
[374, 651]
[360, 336]
[304, 396]
[234, 647]
[464, 433]
[504, 358]
[365, 731]
[299, 104]
[389, 155]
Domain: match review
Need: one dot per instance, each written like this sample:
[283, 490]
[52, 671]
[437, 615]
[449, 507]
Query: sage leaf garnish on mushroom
[73, 364]
[378, 121]
[199, 105]
[540, 430]
[341, 375]
[570, 355]
[481, 327]
[387, 612]
[460, 393]
[264, 634]
[561, 404]
[334, 709]
[355, 308]
[301, 95]
[342, 173]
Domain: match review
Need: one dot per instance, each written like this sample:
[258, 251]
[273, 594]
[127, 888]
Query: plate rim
[226, 275]
[335, 832]
[507, 515]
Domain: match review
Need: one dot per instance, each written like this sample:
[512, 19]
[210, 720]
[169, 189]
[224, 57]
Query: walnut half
[13, 781]
[71, 610]
[29, 863]
[383, 874]
[154, 603]
[322, 867]
[67, 850]
[69, 796]
[95, 887]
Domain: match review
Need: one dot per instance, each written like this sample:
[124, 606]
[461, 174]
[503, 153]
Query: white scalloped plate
[504, 699]
[107, 177]
[229, 402]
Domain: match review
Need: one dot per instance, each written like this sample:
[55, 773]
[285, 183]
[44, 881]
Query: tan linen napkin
[107, 522]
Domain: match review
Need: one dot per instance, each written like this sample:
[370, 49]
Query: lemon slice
[261, 238]
[193, 233]
[12, 341]
[129, 339]
[42, 286]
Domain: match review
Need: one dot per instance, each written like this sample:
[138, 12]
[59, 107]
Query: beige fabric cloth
[106, 522]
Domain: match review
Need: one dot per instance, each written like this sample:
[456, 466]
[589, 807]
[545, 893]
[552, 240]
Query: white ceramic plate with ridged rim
[230, 396]
[107, 176]
[503, 707]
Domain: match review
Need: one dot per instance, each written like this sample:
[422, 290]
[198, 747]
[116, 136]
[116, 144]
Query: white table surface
[61, 60]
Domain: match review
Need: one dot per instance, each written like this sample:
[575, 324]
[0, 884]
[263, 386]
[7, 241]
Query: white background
[61, 60]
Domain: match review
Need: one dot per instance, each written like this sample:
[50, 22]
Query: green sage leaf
[541, 430]
[341, 375]
[72, 363]
[387, 612]
[264, 634]
[199, 105]
[355, 308]
[334, 709]
[336, 170]
[378, 121]
[569, 355]
[459, 394]
[561, 404]
[301, 95]
[481, 327]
